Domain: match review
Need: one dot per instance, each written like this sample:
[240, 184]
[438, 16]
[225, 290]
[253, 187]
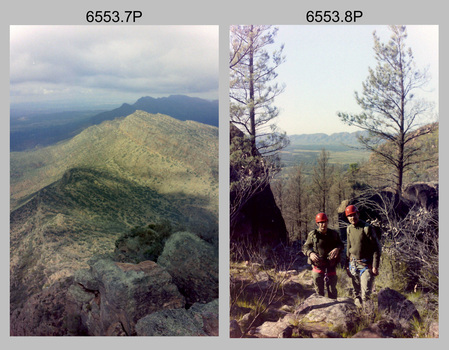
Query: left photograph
[114, 180]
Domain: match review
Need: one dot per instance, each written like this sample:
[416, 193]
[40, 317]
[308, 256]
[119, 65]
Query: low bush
[143, 242]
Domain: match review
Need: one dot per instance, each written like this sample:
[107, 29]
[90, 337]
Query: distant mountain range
[176, 106]
[73, 199]
[321, 139]
[44, 130]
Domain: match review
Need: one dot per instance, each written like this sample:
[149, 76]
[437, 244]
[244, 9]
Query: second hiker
[363, 255]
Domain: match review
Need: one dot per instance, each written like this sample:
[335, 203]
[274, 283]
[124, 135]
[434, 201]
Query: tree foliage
[252, 86]
[410, 240]
[254, 157]
[322, 180]
[297, 200]
[392, 111]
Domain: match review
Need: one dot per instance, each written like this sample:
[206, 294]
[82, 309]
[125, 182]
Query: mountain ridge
[177, 106]
[31, 133]
[338, 138]
[73, 199]
[102, 145]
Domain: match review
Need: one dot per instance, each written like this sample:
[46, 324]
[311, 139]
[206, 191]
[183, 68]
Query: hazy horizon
[36, 108]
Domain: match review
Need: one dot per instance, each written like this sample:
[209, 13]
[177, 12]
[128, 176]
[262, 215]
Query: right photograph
[334, 188]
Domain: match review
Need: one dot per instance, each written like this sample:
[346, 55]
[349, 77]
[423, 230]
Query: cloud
[66, 61]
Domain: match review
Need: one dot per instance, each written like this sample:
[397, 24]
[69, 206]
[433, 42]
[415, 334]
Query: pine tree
[252, 87]
[391, 109]
[254, 148]
[322, 179]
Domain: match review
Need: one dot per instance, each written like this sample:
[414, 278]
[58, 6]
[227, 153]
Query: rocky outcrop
[43, 314]
[193, 264]
[421, 194]
[396, 312]
[395, 305]
[415, 195]
[199, 320]
[316, 317]
[234, 329]
[385, 328]
[173, 297]
[391, 316]
[259, 221]
[321, 317]
[110, 297]
[426, 194]
[73, 200]
[209, 315]
[338, 315]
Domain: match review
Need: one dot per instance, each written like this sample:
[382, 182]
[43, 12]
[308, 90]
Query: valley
[343, 148]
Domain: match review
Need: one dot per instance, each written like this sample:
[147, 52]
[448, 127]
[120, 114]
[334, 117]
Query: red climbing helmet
[320, 217]
[350, 210]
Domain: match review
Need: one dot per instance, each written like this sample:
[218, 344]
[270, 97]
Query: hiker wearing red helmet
[362, 254]
[322, 247]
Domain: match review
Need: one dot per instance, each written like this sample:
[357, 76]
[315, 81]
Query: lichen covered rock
[193, 264]
[126, 293]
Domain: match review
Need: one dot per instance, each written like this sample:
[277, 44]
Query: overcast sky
[93, 66]
[326, 64]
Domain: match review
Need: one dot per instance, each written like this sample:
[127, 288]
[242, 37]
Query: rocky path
[296, 311]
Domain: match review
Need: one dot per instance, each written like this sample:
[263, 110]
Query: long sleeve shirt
[363, 243]
[322, 244]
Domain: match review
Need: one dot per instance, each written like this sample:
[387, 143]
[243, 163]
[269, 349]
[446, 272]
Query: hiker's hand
[314, 258]
[334, 253]
[375, 271]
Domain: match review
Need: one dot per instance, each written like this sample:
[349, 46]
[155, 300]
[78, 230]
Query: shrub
[143, 242]
[393, 273]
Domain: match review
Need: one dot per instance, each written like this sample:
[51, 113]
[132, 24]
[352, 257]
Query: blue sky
[325, 65]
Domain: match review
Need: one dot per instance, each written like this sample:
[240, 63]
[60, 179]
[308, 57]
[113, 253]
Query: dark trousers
[319, 276]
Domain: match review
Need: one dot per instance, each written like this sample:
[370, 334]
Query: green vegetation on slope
[72, 200]
[157, 151]
[41, 130]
